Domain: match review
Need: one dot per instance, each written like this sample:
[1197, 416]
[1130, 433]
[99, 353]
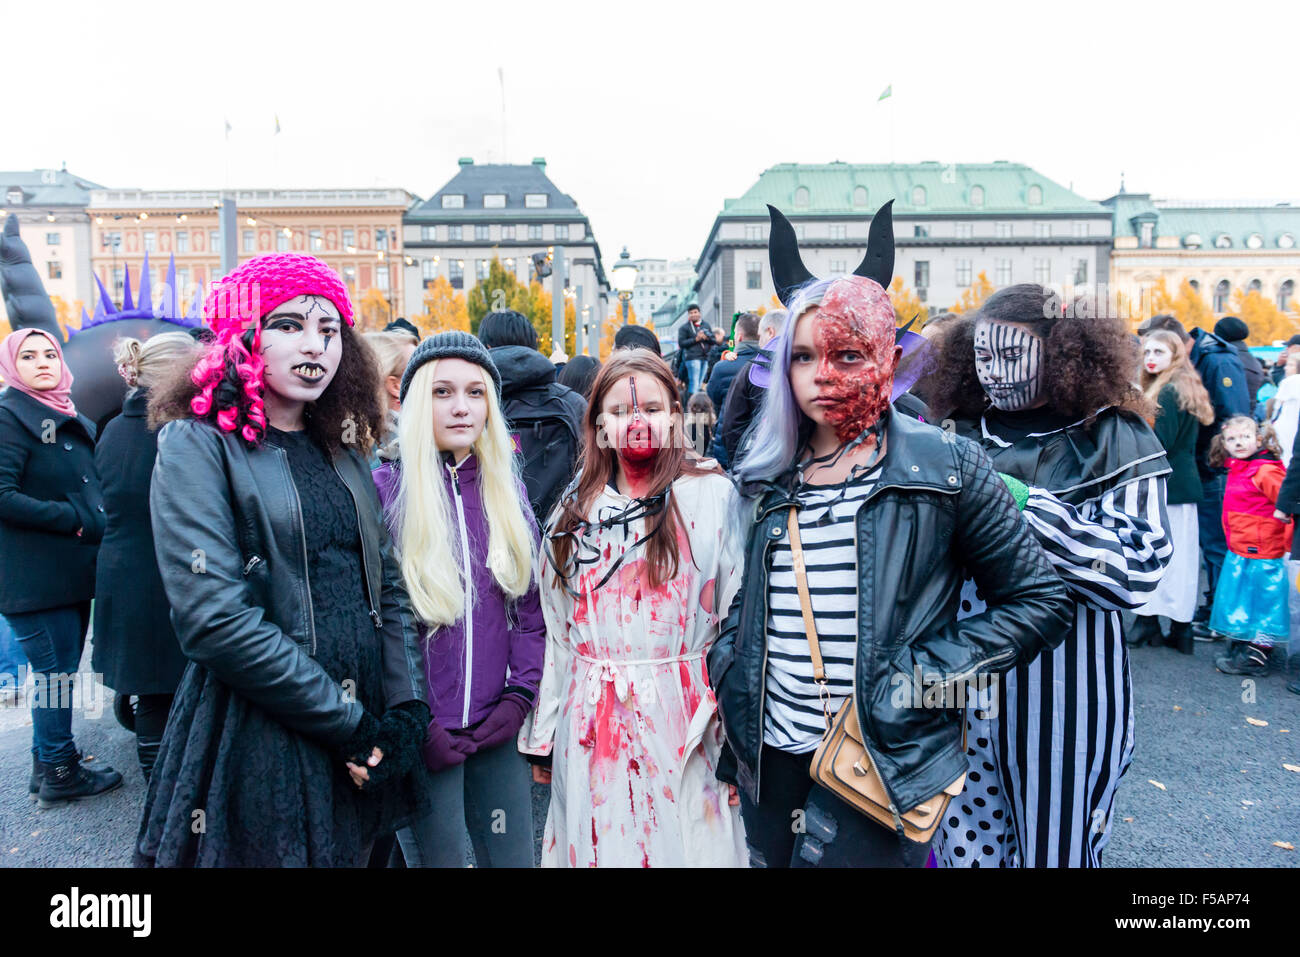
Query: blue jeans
[12, 659]
[52, 640]
[1214, 546]
[695, 375]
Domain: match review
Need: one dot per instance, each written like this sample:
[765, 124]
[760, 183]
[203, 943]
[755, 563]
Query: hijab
[60, 397]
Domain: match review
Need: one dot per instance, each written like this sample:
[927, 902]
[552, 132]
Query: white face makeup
[1241, 440]
[302, 347]
[1009, 363]
[459, 405]
[1156, 357]
[38, 363]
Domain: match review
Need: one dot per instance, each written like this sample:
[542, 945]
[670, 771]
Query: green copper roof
[833, 188]
[1207, 220]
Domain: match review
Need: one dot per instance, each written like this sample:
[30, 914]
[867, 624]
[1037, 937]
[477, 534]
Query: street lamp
[624, 276]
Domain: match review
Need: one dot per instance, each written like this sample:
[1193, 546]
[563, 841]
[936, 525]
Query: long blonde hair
[144, 363]
[428, 535]
[1187, 384]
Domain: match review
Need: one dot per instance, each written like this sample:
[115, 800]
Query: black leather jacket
[232, 553]
[937, 508]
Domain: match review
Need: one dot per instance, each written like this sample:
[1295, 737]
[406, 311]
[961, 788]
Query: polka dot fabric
[259, 285]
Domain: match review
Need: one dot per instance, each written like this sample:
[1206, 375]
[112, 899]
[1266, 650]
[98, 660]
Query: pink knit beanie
[256, 287]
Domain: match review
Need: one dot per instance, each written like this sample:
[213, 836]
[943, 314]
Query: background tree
[373, 308]
[1190, 309]
[973, 296]
[444, 309]
[907, 305]
[613, 322]
[1267, 323]
[502, 290]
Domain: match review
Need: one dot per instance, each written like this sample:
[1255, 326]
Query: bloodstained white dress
[625, 702]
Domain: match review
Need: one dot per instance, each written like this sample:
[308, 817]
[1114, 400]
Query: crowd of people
[356, 591]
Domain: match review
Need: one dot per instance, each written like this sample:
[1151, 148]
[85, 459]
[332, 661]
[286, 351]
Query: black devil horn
[788, 270]
[878, 263]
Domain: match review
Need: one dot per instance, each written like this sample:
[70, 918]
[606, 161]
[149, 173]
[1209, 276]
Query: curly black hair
[1089, 356]
[348, 412]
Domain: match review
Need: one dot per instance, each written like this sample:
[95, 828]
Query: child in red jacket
[1250, 601]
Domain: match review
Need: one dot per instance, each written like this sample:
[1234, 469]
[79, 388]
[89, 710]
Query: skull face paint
[297, 343]
[843, 357]
[1009, 363]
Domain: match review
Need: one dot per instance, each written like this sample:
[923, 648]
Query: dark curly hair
[1089, 356]
[352, 395]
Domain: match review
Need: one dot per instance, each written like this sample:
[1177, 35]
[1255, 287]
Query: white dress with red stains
[625, 703]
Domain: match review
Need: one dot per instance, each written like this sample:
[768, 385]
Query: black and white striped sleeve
[1114, 558]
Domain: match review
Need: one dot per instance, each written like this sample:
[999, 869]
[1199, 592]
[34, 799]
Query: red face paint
[855, 316]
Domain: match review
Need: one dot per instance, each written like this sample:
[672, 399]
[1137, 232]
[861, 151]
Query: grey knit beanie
[454, 344]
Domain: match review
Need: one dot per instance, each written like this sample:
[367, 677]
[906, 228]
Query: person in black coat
[135, 645]
[1288, 507]
[1234, 332]
[51, 521]
[722, 374]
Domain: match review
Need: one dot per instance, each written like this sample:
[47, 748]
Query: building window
[802, 197]
[535, 231]
[965, 230]
[182, 281]
[1254, 241]
[963, 272]
[350, 278]
[150, 239]
[381, 277]
[753, 275]
[920, 231]
[1080, 228]
[453, 234]
[248, 241]
[453, 201]
[1284, 294]
[1035, 196]
[1221, 292]
[281, 241]
[1002, 270]
[53, 239]
[1080, 272]
[314, 237]
[1196, 286]
[561, 232]
[859, 196]
[55, 269]
[918, 195]
[1255, 286]
[535, 200]
[1004, 230]
[1042, 230]
[839, 267]
[350, 236]
[14, 197]
[1285, 241]
[183, 241]
[507, 232]
[481, 233]
[494, 200]
[977, 195]
[839, 231]
[428, 270]
[753, 231]
[921, 274]
[1223, 241]
[481, 267]
[1147, 234]
[214, 240]
[428, 234]
[381, 239]
[1042, 271]
[456, 273]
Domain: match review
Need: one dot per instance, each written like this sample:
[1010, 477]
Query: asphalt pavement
[1209, 784]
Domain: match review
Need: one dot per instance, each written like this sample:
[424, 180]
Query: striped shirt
[793, 719]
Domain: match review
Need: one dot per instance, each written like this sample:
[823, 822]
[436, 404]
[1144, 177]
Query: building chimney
[466, 161]
[540, 162]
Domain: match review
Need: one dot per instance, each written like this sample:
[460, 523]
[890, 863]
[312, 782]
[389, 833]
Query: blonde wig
[144, 363]
[428, 532]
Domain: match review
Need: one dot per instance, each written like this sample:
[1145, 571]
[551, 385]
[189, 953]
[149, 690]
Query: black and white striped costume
[1048, 745]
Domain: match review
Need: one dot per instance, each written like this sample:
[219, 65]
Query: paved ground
[1226, 798]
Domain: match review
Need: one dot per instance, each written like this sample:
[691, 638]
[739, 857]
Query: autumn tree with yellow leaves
[613, 322]
[444, 309]
[1267, 323]
[373, 311]
[973, 296]
[907, 305]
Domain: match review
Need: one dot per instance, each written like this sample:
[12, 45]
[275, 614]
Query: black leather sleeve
[216, 621]
[1028, 606]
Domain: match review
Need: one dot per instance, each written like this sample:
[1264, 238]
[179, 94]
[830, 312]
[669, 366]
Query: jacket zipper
[302, 537]
[469, 612]
[365, 570]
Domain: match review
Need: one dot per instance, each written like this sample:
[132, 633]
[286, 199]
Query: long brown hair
[599, 466]
[1187, 384]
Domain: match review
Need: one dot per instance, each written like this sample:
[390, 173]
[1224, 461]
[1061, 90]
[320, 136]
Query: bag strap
[805, 606]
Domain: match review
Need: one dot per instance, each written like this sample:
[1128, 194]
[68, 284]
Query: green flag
[889, 91]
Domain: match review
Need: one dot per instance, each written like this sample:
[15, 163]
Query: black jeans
[151, 712]
[798, 823]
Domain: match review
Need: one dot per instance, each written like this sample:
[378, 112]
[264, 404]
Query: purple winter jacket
[469, 667]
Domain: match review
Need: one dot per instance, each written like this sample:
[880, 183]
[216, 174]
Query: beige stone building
[357, 231]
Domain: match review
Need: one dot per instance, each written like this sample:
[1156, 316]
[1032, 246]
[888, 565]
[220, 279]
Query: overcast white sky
[650, 114]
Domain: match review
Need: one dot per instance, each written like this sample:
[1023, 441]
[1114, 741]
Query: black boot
[1244, 659]
[1145, 629]
[38, 775]
[1181, 637]
[68, 781]
[146, 749]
